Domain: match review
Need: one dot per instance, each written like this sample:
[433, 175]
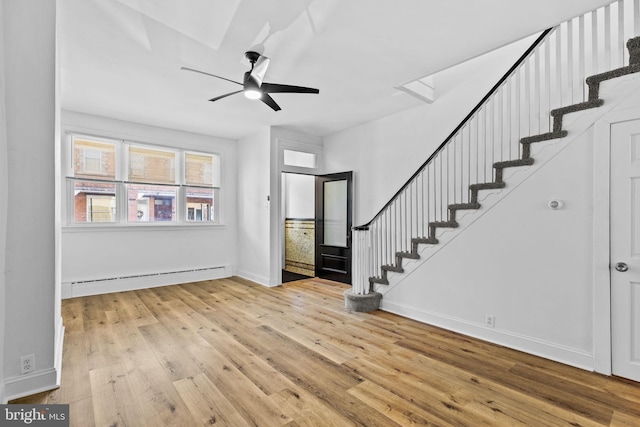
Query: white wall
[4, 190]
[299, 195]
[28, 202]
[105, 252]
[253, 172]
[522, 262]
[385, 153]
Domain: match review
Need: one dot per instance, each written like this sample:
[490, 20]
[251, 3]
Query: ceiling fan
[253, 85]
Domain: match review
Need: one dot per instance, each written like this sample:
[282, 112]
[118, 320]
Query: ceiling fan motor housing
[252, 57]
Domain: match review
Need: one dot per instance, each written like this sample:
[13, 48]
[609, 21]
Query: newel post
[360, 297]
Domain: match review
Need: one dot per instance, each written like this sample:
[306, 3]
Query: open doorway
[298, 191]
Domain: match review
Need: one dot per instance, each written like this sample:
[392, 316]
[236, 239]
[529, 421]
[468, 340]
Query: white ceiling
[122, 58]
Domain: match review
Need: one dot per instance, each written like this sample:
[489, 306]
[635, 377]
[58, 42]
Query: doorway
[317, 218]
[298, 196]
[625, 249]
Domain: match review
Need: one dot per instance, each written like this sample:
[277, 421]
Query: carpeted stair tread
[577, 107]
[463, 206]
[618, 72]
[487, 186]
[513, 163]
[424, 240]
[393, 268]
[378, 280]
[410, 255]
[543, 137]
[444, 224]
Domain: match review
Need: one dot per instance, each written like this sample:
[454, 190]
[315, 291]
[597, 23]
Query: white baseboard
[547, 350]
[59, 346]
[262, 280]
[26, 385]
[72, 289]
[39, 381]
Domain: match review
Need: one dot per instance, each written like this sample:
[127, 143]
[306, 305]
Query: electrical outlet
[27, 364]
[490, 321]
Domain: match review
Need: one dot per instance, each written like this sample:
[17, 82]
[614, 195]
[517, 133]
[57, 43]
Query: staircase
[452, 178]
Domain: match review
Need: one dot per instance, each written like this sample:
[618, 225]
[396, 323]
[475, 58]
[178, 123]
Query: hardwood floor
[230, 352]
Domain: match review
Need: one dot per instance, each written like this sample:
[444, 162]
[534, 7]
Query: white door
[625, 249]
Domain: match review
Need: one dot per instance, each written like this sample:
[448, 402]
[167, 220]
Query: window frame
[122, 183]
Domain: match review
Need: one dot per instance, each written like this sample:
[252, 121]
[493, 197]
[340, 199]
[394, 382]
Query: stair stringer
[551, 340]
[613, 92]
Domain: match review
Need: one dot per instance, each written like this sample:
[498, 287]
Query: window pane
[335, 213]
[299, 159]
[200, 204]
[151, 203]
[94, 201]
[146, 165]
[202, 169]
[94, 158]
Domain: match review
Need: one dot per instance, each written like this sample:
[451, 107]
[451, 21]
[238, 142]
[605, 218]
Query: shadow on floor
[288, 276]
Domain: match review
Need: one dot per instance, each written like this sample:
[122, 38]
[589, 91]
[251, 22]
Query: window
[300, 159]
[202, 169]
[116, 182]
[94, 201]
[156, 166]
[202, 174]
[94, 159]
[200, 204]
[151, 203]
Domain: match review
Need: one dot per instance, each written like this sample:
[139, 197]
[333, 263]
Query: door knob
[622, 267]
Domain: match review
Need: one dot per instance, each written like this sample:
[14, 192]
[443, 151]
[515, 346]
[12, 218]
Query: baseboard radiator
[122, 283]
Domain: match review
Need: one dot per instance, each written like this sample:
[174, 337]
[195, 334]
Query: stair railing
[549, 75]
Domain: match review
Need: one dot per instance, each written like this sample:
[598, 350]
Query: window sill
[81, 228]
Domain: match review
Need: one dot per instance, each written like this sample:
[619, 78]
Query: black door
[334, 194]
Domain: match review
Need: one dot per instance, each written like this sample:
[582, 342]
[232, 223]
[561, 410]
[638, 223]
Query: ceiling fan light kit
[253, 84]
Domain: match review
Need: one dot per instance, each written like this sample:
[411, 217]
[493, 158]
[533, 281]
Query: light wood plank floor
[232, 353]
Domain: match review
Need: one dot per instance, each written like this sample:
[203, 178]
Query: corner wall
[28, 201]
[253, 174]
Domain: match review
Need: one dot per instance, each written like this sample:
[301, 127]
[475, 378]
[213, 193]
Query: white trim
[58, 349]
[72, 289]
[262, 280]
[545, 349]
[601, 236]
[191, 225]
[26, 385]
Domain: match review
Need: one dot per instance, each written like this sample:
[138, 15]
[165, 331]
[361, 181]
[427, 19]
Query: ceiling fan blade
[260, 68]
[270, 102]
[209, 74]
[224, 96]
[277, 88]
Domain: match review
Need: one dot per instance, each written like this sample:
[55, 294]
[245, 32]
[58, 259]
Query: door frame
[288, 140]
[601, 272]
